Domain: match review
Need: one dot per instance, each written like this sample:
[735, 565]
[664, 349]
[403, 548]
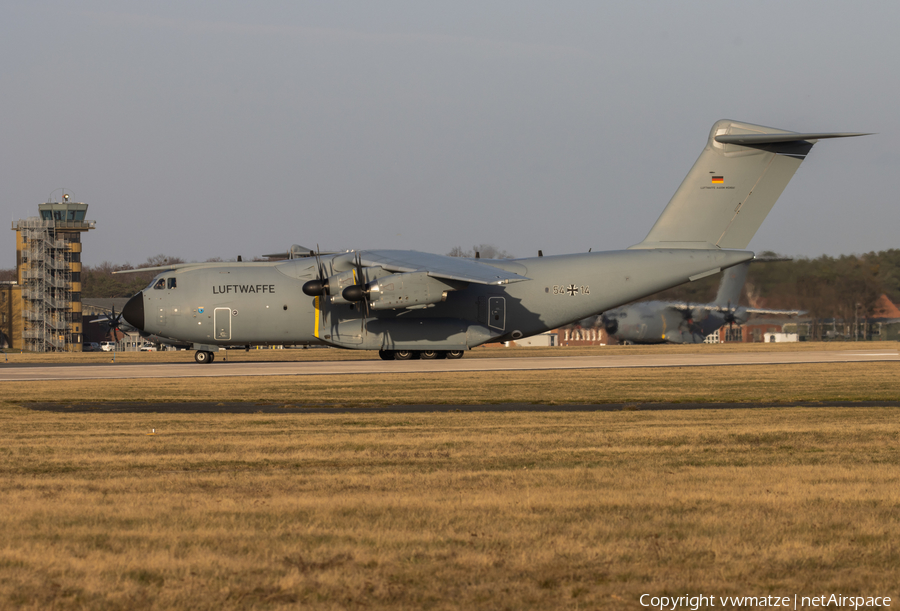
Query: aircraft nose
[610, 324]
[133, 312]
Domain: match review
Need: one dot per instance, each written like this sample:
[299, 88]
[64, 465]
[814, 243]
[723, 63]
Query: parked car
[90, 347]
[107, 346]
[148, 347]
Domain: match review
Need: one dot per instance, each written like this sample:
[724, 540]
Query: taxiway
[11, 373]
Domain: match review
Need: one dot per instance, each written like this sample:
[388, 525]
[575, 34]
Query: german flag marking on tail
[718, 180]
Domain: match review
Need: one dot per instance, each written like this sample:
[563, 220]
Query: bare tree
[485, 251]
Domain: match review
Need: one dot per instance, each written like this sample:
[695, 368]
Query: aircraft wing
[712, 307]
[207, 264]
[438, 266]
[774, 312]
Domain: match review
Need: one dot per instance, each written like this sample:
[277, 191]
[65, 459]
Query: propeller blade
[321, 272]
[361, 280]
[113, 323]
[319, 286]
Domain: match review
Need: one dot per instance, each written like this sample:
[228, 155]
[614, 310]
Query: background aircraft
[659, 322]
[408, 304]
[115, 328]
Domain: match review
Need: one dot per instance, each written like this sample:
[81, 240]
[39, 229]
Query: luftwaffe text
[224, 289]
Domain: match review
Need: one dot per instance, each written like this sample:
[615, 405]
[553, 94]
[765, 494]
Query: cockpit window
[160, 284]
[171, 283]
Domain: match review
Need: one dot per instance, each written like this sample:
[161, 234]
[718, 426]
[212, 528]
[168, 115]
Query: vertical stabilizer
[732, 187]
[733, 280]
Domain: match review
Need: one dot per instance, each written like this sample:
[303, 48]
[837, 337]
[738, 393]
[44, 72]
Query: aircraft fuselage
[264, 303]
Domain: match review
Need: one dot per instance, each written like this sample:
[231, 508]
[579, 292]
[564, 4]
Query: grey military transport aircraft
[408, 304]
[659, 322]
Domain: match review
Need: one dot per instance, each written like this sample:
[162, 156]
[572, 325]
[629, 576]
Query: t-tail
[732, 187]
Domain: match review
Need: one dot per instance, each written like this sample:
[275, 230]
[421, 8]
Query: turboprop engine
[332, 285]
[413, 290]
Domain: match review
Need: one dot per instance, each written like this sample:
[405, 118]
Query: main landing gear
[406, 355]
[204, 356]
[201, 356]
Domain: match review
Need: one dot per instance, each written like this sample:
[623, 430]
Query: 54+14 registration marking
[571, 289]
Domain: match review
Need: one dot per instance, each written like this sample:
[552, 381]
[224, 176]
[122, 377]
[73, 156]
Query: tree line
[99, 281]
[841, 287]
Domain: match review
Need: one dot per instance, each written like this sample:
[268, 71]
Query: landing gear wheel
[429, 354]
[201, 356]
[404, 355]
[386, 355]
[454, 354]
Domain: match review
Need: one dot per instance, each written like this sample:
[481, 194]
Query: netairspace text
[700, 601]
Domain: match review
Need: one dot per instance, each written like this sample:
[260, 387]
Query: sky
[217, 129]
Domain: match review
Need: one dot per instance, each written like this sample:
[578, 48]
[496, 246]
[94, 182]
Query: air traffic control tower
[48, 268]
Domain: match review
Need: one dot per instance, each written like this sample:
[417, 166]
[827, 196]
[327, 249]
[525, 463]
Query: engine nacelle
[408, 290]
[332, 285]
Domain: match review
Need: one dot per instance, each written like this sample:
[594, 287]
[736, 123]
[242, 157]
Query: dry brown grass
[746, 383]
[444, 511]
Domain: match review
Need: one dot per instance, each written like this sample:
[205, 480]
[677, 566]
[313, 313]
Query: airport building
[42, 309]
[10, 313]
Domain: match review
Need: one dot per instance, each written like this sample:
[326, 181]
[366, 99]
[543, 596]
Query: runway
[111, 371]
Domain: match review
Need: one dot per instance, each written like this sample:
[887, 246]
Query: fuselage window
[171, 283]
[160, 284]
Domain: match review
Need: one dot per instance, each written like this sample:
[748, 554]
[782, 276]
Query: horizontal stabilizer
[732, 186]
[754, 139]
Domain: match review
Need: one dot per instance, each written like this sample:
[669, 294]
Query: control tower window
[160, 284]
[171, 283]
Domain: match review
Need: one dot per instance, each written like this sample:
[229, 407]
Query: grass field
[752, 383]
[445, 511]
[509, 510]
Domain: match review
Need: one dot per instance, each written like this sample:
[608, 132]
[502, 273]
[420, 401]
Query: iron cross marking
[572, 290]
